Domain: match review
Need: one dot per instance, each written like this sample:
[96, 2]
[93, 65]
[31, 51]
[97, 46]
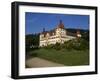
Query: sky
[35, 22]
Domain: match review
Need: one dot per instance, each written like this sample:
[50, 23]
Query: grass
[66, 57]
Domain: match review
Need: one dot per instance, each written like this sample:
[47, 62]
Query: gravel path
[39, 62]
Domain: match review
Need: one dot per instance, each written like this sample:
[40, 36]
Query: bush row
[77, 44]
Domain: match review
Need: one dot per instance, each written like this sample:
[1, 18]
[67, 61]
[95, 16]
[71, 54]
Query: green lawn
[66, 57]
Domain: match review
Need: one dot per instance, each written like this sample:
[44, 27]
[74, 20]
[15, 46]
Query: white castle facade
[57, 35]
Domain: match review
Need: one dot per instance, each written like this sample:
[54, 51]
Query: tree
[31, 40]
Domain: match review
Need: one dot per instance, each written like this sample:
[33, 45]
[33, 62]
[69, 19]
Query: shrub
[77, 44]
[57, 46]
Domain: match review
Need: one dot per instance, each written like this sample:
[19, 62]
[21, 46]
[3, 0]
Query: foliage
[57, 46]
[85, 35]
[76, 44]
[31, 41]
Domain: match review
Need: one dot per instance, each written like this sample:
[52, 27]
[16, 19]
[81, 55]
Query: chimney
[43, 29]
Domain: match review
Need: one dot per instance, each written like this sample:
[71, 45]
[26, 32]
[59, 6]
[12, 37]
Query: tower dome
[60, 25]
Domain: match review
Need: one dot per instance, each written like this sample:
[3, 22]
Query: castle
[57, 35]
